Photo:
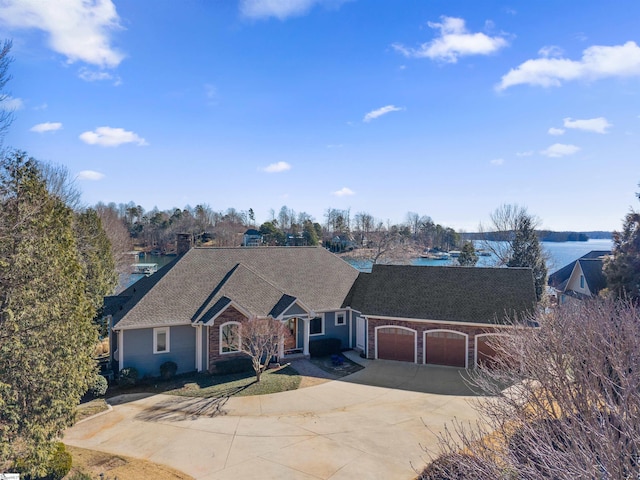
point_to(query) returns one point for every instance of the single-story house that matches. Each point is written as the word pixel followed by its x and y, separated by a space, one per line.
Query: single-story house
pixel 581 279
pixel 188 312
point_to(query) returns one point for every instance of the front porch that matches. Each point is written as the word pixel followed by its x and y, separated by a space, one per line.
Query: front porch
pixel 296 345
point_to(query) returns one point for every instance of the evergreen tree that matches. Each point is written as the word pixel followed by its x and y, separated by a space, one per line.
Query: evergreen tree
pixel 46 333
pixel 512 238
pixel 95 254
pixel 468 256
pixel 526 252
pixel 623 270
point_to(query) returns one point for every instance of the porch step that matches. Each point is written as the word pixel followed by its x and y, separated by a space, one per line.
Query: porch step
pixel 294 356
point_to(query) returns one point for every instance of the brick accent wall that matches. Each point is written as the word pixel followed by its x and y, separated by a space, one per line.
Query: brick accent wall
pixel 229 315
pixel 421 327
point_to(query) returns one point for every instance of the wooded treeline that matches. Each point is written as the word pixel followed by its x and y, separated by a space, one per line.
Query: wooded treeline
pixel 339 230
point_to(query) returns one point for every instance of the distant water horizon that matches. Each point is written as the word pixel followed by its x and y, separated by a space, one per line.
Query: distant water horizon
pixel 559 254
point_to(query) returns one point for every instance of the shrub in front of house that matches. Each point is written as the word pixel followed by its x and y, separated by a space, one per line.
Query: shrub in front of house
pixel 168 370
pixel 58 466
pixel 324 347
pixel 233 365
pixel 98 386
pixel 129 376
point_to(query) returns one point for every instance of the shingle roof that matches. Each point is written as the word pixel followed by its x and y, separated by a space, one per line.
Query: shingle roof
pixel 559 278
pixel 256 278
pixel 593 274
pixel 456 294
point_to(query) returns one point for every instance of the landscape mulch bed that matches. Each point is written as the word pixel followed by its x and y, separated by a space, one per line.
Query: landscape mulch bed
pixel 346 367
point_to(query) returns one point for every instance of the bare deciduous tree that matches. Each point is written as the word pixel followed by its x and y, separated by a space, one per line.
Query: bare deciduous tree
pixel 513 240
pixel 260 339
pixel 6 114
pixel 564 401
pixel 118 235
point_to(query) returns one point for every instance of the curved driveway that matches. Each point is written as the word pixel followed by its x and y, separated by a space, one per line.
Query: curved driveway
pixel 356 427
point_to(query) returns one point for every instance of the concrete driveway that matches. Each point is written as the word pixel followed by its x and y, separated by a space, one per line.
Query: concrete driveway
pixel 356 427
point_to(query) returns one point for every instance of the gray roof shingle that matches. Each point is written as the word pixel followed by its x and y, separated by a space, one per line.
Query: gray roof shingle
pixel 195 285
pixel 455 294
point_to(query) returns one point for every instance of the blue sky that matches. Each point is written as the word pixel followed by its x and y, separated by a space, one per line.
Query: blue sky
pixel 444 108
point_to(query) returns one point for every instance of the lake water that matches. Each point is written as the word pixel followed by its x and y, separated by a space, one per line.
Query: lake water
pixel 559 253
pixel 128 279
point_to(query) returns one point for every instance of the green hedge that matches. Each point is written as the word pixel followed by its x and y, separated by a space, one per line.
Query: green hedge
pixel 98 386
pixel 168 370
pixel 129 376
pixel 324 347
pixel 233 365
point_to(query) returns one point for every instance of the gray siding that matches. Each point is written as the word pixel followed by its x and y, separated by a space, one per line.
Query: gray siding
pixel 138 350
pixel 294 309
pixel 331 330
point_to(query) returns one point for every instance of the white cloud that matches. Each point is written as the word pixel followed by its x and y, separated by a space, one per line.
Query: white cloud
pixel 89 75
pixel 11 104
pixel 381 111
pixel 560 150
pixel 90 175
pixel 343 192
pixel 526 153
pixel 277 167
pixel 78 29
pixel 111 137
pixel 597 62
pixel 496 162
pixel 555 131
pixel 46 127
pixel 597 125
pixel 282 9
pixel 550 51
pixel 454 41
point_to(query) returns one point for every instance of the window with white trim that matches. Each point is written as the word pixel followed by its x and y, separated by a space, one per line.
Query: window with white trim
pixel 316 325
pixel 161 340
pixel 229 337
pixel 341 319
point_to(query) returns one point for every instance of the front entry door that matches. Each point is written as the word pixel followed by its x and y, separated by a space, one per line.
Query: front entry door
pixel 291 341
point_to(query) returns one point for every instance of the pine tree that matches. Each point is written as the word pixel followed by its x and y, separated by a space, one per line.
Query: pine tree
pixel 468 256
pixel 46 331
pixel 623 270
pixel 526 252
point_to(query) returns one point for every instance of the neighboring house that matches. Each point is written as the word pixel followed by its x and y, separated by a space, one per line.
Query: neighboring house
pixel 189 311
pixel 581 279
pixel 252 238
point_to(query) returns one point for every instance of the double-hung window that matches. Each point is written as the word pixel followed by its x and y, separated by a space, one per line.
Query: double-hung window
pixel 161 340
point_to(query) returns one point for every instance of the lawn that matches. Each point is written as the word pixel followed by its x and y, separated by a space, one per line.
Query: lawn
pixel 214 386
pixel 92 464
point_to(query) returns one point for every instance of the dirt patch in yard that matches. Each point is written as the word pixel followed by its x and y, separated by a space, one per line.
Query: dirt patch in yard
pixel 94 463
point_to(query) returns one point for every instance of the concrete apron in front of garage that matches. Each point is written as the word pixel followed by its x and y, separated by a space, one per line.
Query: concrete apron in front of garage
pixel 342 429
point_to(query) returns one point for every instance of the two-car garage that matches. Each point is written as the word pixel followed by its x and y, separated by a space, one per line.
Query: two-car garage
pixel 443 347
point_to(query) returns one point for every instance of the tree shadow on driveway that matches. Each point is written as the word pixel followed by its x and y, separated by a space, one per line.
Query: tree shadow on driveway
pixel 178 409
